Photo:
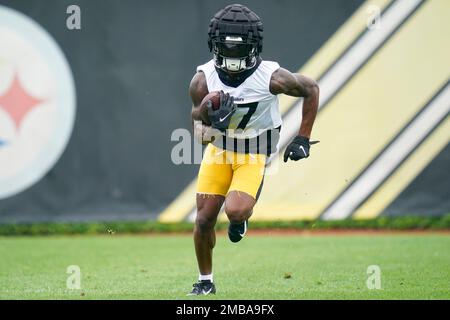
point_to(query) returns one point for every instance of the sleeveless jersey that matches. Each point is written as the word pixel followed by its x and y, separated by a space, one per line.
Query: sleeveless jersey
pixel 257 108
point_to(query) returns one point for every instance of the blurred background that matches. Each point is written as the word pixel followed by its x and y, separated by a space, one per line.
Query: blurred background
pixel 86 115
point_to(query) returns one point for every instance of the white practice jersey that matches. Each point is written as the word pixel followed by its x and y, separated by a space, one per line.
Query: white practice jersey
pixel 257 107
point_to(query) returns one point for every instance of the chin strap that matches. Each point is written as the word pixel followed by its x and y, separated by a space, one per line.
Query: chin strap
pixel 234 65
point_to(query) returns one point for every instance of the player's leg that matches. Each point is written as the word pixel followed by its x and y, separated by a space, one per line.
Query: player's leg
pixel 214 179
pixel 246 185
pixel 208 207
pixel 238 207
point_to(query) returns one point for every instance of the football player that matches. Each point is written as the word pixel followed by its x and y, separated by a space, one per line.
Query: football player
pixel 244 129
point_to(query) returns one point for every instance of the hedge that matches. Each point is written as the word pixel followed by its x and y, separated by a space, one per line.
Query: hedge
pixel 139 227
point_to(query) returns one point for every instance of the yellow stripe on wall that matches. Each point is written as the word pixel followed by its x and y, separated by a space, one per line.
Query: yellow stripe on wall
pixel 406 173
pixel 333 48
pixel 364 117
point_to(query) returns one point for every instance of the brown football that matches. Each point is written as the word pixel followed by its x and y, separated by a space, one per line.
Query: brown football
pixel 214 96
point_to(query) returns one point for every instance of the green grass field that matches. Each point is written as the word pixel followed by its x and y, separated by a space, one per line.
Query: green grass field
pixel 413 266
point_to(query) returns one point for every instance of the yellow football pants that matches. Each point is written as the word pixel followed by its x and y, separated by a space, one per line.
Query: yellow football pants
pixel 222 171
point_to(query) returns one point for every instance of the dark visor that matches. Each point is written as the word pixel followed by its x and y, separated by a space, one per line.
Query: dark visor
pixel 234 50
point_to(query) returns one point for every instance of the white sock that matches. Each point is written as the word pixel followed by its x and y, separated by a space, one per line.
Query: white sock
pixel 205 277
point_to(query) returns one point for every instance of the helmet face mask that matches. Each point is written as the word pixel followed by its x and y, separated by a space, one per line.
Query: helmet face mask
pixel 235 38
pixel 232 54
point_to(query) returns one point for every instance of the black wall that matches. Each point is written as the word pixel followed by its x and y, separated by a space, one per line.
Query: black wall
pixel 428 193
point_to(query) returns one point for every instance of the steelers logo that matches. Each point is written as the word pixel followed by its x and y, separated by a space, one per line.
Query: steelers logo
pixel 37 102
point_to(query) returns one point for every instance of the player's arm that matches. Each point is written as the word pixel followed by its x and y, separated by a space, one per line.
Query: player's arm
pixel 197 91
pixel 297 85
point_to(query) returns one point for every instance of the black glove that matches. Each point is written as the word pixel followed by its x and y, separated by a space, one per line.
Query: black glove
pixel 220 118
pixel 298 149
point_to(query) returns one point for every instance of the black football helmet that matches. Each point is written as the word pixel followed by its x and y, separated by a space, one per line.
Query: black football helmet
pixel 235 37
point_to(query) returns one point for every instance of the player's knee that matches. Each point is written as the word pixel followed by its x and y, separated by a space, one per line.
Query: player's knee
pixel 238 212
pixel 204 224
